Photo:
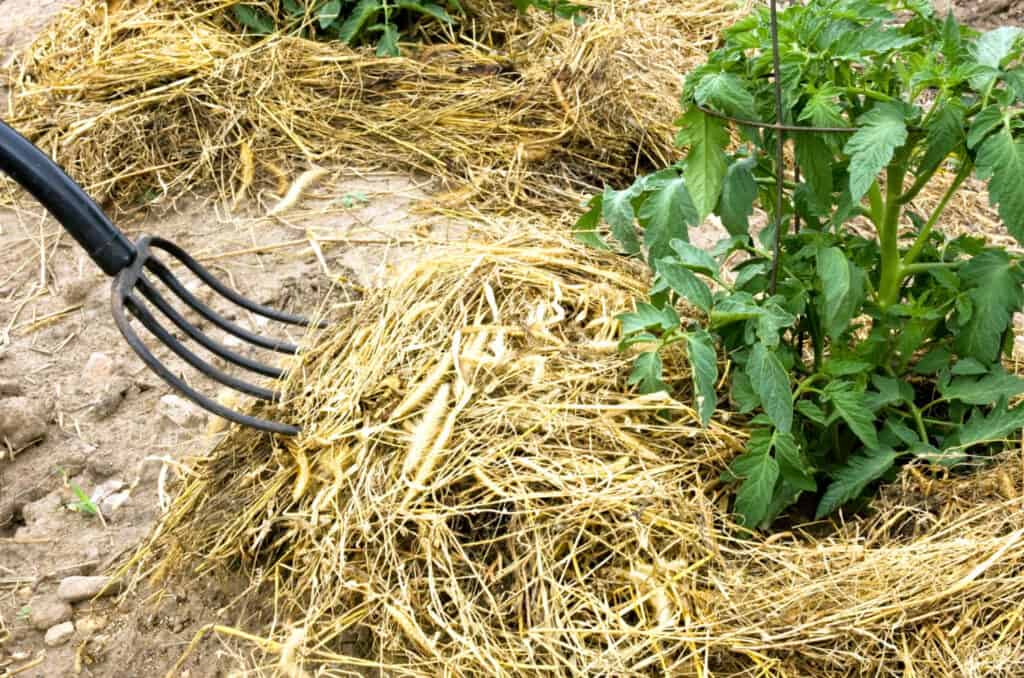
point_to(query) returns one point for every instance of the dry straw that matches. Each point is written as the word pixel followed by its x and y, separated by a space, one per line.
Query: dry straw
pixel 477 492
pixel 153 98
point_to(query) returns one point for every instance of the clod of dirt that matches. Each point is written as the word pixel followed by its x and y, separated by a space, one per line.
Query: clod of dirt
pixel 48 611
pixel 99 368
pixel 41 511
pixel 59 634
pixel 21 423
pixel 180 411
pixel 76 291
pixel 77 589
pixel 10 388
pixel 113 394
pixel 93 624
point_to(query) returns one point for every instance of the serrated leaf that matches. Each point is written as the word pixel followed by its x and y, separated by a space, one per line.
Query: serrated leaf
pixel 1001 162
pixel 871 40
pixel 792 465
pixel 739 191
pixel 851 408
pixel 694 258
pixel 822 110
pixel 991 48
pixel 933 361
pixel 994 286
pixel 771 383
pixel 636 339
pixel 851 478
pixel 647 373
pixel 685 283
pixel 969 367
pixel 618 213
pixel 985 391
pixel 760 472
pixel 995 427
pixel 585 229
pixel 666 214
pixel 882 130
pixel 815 162
pixel 427 8
pixel 706 162
pixel 983 124
pixel 945 132
pixel 647 317
pixel 726 92
pixel 700 348
pixel 837 367
pixel 772 319
pixel 387 42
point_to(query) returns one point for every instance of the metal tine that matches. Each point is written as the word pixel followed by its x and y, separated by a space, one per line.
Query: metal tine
pixel 150 323
pixel 200 271
pixel 207 403
pixel 168 278
pixel 153 295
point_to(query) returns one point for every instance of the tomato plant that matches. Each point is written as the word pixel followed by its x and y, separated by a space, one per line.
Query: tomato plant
pixel 857 353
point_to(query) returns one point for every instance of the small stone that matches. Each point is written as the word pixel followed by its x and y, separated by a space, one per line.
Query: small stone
pixel 76 291
pixel 77 589
pixel 10 388
pixel 59 634
pixel 180 411
pixel 21 423
pixel 99 368
pixel 90 625
pixel 48 611
pixel 114 501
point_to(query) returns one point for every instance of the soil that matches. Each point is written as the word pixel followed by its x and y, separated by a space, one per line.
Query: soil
pixel 79 410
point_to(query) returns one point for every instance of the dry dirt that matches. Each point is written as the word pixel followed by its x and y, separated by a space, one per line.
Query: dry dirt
pixel 86 413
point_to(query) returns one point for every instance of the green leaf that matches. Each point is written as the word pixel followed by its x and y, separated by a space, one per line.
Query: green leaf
pixel 387 43
pixel 706 163
pixel 983 124
pixel 585 229
pixel 726 92
pixel 770 321
pixel 739 191
pixel 851 478
pixel 427 8
pixel 815 161
pixel 647 373
pixel 253 18
pixel 363 13
pixel 1001 162
pixel 685 283
pixel 837 367
pixel 742 393
pixel 694 258
pixel 647 317
pixel 991 48
pixel 985 391
pixel 872 39
pixel 882 130
pixel 618 212
pixel 771 383
pixel 834 275
pixel 704 364
pixel 665 214
pixel 994 287
pixel 760 473
pixel 822 110
pixel 995 427
pixel 969 367
pixel 933 361
pixel 793 467
pixel 851 408
pixel 811 411
pixel 328 12
pixel 945 132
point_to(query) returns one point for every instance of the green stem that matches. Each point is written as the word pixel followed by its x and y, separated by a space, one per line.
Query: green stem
pixel 805 385
pixel 913 269
pixel 919 419
pixel 877 205
pixel 888 236
pixel 922 238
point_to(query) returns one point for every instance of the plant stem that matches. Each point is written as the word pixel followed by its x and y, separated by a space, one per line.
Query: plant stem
pixel 922 238
pixel 877 214
pixel 913 269
pixel 888 236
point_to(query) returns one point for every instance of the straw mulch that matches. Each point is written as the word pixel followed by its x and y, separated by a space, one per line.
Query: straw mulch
pixel 154 98
pixel 477 492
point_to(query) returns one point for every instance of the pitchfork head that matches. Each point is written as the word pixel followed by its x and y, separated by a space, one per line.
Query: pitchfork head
pixel 135 292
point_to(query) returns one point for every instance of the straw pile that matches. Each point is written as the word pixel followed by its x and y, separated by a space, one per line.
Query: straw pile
pixel 153 98
pixel 477 492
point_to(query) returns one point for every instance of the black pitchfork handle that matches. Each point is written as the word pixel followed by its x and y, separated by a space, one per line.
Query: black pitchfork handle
pixel 66 201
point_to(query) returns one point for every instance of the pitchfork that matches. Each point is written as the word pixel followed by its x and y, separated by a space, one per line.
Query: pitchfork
pixel 131 266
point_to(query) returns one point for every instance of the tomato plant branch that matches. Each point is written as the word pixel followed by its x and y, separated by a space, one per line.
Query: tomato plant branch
pixel 888 236
pixel 922 238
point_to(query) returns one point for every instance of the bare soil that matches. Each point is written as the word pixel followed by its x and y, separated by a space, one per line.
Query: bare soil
pixel 79 409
